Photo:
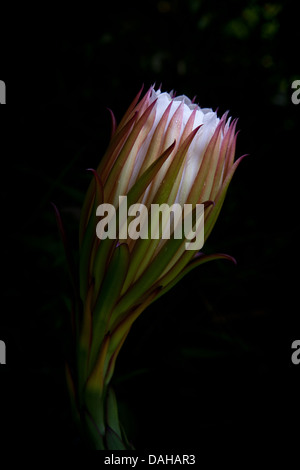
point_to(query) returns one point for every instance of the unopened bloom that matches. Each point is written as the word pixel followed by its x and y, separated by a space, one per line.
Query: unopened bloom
pixel 166 150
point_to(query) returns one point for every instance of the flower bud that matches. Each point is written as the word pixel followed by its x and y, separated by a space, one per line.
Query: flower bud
pixel 166 153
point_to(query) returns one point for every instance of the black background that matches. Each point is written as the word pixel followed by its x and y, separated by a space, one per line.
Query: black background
pixel 210 361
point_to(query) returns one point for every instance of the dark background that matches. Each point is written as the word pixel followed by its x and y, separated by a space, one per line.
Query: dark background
pixel 210 361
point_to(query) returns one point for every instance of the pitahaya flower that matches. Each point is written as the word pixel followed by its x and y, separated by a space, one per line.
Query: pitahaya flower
pixel 166 149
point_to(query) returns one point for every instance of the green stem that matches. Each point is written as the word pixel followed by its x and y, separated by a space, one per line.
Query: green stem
pixel 101 421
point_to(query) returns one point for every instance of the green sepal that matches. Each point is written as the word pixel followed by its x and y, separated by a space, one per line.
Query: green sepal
pixel 112 416
pixel 134 194
pixel 113 441
pixel 143 248
pixel 108 295
pixel 120 161
pixel 150 277
pixel 145 179
pixel 171 181
pixel 89 239
pixel 214 212
pixel 96 436
pixel 171 279
pixel 120 327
